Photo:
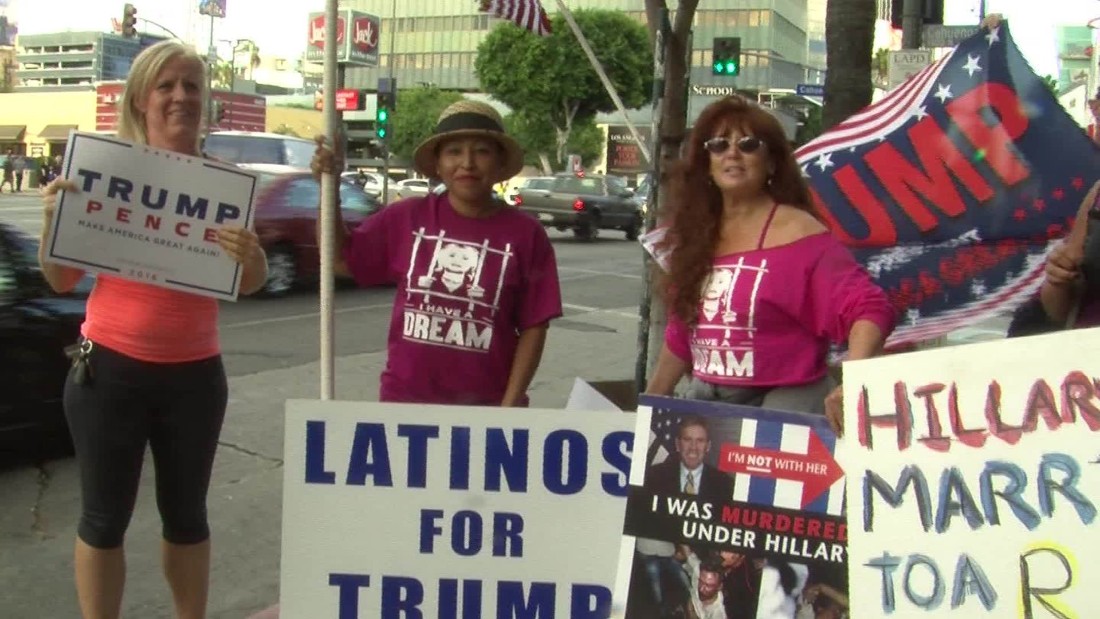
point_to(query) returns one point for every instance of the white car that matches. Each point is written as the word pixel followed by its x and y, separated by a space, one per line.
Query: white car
pixel 290 153
pixel 414 185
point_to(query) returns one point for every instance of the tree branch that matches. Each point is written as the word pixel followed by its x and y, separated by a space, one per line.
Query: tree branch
pixel 653 10
pixel 685 14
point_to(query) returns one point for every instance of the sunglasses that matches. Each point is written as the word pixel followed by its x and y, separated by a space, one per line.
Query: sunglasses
pixel 747 144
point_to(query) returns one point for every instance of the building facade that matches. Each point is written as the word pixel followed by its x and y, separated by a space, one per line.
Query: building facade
pixel 1075 57
pixel 435 41
pixel 74 60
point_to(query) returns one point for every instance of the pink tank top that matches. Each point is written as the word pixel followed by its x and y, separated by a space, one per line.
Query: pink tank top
pixel 151 323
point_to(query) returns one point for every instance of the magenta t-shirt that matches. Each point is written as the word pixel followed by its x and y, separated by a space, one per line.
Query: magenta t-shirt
pixel 767 317
pixel 465 289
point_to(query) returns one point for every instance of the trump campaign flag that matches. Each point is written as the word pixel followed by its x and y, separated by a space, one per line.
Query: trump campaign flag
pixel 950 188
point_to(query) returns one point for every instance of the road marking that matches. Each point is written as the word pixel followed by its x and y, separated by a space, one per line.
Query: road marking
pixel 595 272
pixel 292 317
pixel 20 209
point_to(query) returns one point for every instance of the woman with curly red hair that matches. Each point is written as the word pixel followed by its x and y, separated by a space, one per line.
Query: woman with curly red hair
pixel 757 288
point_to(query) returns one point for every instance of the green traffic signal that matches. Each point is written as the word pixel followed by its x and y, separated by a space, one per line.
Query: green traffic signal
pixel 719 68
pixel 382 120
pixel 731 68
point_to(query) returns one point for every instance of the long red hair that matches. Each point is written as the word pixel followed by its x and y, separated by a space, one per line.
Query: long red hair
pixel 694 207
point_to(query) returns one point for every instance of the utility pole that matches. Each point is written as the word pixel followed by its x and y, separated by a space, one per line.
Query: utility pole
pixel 386 142
pixel 912 20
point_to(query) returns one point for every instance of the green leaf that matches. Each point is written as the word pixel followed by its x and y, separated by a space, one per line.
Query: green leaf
pixel 415 117
pixel 549 82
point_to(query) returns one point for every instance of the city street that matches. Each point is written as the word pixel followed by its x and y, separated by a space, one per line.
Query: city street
pixel 271 352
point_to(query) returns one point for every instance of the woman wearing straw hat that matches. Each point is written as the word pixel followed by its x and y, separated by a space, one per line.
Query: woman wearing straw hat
pixel 477 281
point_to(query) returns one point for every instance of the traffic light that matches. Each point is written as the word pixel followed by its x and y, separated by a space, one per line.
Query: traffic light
pixel 129 20
pixel 382 121
pixel 726 56
pixel 386 103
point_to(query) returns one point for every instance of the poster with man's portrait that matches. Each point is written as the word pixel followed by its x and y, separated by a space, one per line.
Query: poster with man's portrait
pixel 736 513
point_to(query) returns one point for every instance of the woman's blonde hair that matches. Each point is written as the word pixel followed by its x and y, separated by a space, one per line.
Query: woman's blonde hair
pixel 143 73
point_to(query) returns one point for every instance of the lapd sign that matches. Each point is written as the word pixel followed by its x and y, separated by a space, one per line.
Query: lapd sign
pixel 150 215
pixel 356 38
pixel 973 480
pixel 906 63
pixel 394 510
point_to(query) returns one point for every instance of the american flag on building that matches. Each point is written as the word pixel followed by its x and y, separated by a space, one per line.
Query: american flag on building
pixel 951 187
pixel 776 431
pixel 527 14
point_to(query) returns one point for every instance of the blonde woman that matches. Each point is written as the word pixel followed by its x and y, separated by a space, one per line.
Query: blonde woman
pixel 149 370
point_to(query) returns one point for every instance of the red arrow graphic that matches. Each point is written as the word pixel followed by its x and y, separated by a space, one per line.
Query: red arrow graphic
pixel 817 470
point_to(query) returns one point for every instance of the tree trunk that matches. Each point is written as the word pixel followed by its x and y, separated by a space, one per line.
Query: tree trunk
pixel 673 129
pixel 849 35
pixel 674 106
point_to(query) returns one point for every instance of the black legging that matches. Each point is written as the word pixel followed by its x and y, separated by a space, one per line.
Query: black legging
pixel 175 408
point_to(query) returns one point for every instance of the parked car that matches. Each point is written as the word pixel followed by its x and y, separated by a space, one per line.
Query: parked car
pixel 534 182
pixel 289 152
pixel 36 324
pixel 287 217
pixel 585 204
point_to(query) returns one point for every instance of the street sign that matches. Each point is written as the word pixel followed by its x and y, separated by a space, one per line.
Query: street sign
pixel 906 63
pixel 359 47
pixel 349 99
pixel 810 90
pixel 937 35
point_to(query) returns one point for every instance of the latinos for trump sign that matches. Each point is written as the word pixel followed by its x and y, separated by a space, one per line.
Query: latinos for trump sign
pixel 973 479
pixel 950 187
pixel 732 512
pixel 150 215
pixel 396 511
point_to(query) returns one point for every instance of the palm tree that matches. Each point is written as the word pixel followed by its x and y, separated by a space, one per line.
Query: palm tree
pixel 222 76
pixel 849 35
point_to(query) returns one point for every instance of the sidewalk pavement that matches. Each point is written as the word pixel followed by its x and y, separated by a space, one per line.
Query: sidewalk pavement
pixel 245 500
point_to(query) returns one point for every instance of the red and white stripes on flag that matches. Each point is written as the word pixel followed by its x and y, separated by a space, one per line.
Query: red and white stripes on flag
pixel 527 14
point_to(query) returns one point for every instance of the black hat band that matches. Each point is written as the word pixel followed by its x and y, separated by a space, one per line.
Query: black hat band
pixel 464 121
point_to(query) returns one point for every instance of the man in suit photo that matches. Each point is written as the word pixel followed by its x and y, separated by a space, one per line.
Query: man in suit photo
pixel 687 473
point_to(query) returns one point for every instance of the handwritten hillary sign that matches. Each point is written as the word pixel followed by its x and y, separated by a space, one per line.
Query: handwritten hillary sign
pixel 150 215
pixel 440 511
pixel 973 479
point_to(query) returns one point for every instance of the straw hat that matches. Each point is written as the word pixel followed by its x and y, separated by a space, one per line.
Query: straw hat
pixel 469 119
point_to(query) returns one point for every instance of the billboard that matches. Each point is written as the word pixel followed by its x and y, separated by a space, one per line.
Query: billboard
pixel 624 154
pixel 356 38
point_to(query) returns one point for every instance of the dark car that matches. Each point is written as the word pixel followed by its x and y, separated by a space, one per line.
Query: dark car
pixel 287 216
pixel 584 204
pixel 36 325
